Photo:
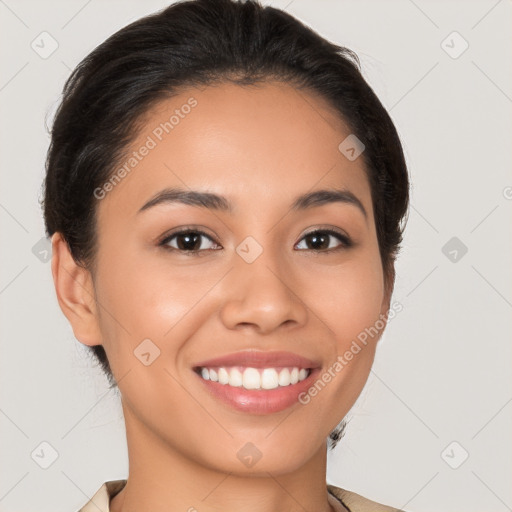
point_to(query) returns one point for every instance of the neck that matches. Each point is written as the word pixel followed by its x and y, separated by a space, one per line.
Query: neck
pixel 162 478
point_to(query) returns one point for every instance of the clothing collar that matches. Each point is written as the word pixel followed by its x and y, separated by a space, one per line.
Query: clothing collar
pixel 352 501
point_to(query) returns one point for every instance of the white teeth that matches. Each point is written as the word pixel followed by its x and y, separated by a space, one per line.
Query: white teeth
pixel 284 377
pixel 235 378
pixel 269 379
pixel 223 376
pixel 251 378
pixel 255 378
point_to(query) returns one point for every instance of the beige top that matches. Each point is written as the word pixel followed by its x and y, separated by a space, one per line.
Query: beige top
pixel 100 502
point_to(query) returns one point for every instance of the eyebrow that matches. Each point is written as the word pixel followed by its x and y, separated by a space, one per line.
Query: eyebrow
pixel 220 203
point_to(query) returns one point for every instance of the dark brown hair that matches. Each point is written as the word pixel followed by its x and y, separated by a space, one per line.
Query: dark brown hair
pixel 198 43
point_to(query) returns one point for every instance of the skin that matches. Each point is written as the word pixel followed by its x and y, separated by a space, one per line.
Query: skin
pixel 261 147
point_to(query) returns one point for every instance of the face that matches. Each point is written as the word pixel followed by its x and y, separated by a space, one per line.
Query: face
pixel 260 276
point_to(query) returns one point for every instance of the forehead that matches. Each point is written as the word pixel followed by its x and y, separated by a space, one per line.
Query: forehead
pixel 259 143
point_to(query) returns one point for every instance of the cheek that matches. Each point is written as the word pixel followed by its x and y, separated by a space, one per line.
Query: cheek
pixel 145 296
pixel 137 287
pixel 350 313
pixel 348 298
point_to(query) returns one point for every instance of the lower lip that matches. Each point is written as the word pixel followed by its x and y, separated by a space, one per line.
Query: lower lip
pixel 259 401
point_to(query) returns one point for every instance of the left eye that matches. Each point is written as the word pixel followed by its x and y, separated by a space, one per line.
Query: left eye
pixel 319 237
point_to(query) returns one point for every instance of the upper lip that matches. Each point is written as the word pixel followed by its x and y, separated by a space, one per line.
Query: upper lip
pixel 256 359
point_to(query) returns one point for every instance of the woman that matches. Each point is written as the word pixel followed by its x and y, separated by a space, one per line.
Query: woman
pixel 225 196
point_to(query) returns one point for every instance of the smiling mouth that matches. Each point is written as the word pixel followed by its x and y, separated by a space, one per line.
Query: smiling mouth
pixel 254 378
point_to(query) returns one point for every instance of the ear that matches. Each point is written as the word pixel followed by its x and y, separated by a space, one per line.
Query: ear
pixel 75 293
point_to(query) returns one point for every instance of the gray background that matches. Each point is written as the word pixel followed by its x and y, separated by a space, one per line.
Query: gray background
pixel 440 389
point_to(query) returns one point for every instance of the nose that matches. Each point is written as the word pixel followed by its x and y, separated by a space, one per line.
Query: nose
pixel 262 295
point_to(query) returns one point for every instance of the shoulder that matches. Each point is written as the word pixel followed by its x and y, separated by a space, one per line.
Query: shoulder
pixel 357 503
pixel 100 502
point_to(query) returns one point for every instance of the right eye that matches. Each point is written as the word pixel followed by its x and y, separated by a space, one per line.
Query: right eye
pixel 188 241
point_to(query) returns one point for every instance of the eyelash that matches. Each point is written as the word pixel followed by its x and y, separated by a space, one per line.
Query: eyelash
pixel 346 242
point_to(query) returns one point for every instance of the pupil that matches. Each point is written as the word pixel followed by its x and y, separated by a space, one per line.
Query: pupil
pixel 188 245
pixel 315 238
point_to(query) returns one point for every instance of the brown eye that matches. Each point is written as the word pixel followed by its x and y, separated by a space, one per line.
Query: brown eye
pixel 320 240
pixel 190 241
